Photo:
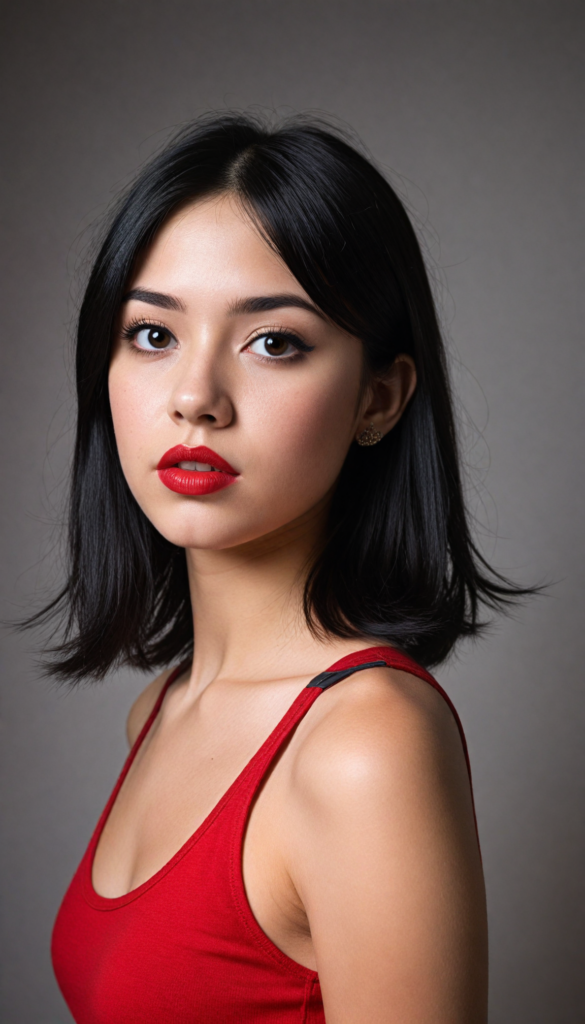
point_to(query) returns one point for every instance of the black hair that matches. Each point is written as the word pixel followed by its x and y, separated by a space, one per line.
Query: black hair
pixel 399 563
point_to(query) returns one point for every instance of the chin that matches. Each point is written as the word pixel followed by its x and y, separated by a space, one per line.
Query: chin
pixel 209 530
pixel 209 527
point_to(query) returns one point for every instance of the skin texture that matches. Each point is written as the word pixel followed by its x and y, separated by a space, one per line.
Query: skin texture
pixel 373 782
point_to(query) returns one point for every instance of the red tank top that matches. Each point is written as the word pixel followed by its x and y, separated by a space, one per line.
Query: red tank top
pixel 184 947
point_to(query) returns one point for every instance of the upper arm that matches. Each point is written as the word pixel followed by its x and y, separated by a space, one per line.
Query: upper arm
pixel 142 706
pixel 387 863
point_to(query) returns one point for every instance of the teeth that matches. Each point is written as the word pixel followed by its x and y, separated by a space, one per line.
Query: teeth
pixel 200 467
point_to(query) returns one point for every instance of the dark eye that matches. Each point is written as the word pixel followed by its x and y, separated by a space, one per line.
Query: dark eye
pixel 273 345
pixel 154 339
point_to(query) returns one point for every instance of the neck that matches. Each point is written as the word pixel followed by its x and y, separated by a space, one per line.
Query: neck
pixel 247 605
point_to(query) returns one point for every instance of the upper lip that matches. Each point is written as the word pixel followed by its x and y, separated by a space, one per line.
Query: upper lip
pixel 183 453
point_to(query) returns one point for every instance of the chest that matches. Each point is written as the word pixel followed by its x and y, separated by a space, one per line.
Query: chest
pixel 181 771
pixel 179 776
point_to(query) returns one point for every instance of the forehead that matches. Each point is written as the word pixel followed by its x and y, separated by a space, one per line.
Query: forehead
pixel 213 246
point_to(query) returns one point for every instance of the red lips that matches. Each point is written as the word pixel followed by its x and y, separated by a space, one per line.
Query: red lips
pixel 195 481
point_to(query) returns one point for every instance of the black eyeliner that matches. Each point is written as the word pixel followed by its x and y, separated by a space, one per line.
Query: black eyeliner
pixel 284 333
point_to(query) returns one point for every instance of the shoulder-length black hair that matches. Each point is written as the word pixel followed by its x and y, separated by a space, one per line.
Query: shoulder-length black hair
pixel 399 564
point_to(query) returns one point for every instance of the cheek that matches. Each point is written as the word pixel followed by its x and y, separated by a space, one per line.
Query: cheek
pixel 304 434
pixel 135 408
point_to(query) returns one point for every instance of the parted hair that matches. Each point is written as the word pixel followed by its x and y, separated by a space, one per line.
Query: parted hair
pixel 399 563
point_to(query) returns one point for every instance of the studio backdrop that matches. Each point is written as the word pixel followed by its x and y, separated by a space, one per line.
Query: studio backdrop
pixel 474 110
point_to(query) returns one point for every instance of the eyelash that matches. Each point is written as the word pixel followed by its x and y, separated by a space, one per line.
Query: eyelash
pixel 281 332
pixel 131 329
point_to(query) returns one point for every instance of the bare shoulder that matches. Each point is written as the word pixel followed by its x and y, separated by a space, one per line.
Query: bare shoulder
pixel 379 729
pixel 143 705
pixel 379 793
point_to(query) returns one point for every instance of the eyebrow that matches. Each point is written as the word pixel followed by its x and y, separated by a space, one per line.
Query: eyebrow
pixel 254 304
pixel 155 299
pixel 264 303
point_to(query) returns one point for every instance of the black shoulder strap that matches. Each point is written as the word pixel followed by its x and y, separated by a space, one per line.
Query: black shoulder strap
pixel 326 679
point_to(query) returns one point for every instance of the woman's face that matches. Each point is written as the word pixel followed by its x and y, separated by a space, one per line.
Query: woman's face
pixel 219 347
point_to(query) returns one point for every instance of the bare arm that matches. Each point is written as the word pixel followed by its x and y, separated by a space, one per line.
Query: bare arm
pixel 386 862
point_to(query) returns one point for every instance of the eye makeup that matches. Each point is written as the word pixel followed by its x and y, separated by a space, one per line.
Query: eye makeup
pixel 276 341
pixel 158 338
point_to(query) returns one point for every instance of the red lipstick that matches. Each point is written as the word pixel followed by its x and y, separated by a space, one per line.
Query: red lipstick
pixel 195 470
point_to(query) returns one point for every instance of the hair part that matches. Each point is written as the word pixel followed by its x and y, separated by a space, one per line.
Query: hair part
pixel 399 564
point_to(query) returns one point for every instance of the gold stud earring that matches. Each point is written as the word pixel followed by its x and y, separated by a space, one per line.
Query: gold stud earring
pixel 369 436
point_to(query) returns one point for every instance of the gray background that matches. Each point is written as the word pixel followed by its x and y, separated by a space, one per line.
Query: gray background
pixel 475 107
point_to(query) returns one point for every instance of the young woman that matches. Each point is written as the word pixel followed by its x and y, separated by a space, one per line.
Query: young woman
pixel 266 499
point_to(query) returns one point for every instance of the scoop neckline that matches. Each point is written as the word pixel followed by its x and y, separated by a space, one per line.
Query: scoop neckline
pixel 100 902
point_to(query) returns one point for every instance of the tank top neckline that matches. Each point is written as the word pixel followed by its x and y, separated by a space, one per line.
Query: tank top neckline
pixel 113 902
pixel 185 944
pixel 306 697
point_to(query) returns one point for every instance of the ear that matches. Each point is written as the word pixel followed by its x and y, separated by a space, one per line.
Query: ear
pixel 387 396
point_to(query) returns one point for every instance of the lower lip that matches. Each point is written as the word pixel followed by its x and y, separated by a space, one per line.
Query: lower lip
pixel 189 481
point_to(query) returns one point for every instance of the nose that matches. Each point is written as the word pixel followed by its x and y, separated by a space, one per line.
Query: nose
pixel 200 393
